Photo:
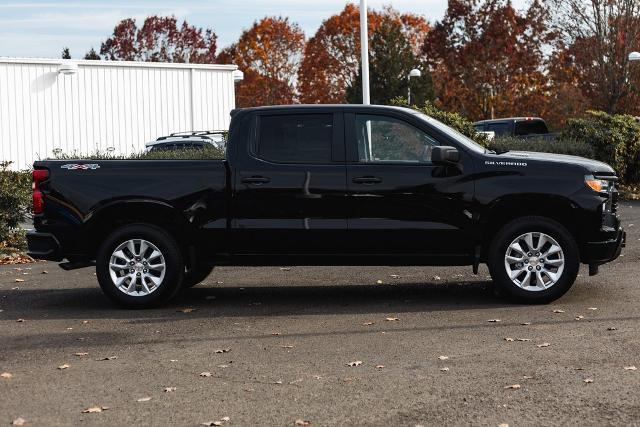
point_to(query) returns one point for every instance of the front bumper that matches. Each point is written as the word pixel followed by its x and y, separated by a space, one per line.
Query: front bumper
pixel 43 246
pixel 605 251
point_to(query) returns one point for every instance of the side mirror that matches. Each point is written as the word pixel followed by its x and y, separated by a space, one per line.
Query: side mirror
pixel 445 155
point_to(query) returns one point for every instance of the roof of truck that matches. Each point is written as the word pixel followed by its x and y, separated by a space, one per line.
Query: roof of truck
pixel 508 119
pixel 320 107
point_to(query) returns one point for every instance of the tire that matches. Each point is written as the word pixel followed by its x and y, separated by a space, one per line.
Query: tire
pixel 196 275
pixel 550 277
pixel 160 284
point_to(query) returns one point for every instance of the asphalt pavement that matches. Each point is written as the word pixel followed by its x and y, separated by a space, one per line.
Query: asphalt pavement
pixel 325 346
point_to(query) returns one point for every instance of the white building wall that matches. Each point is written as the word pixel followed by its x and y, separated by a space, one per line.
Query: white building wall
pixel 105 104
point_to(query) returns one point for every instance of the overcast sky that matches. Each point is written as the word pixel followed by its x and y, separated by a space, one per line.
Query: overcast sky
pixel 42 28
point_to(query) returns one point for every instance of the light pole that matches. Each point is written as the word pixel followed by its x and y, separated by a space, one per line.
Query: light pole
pixel 413 73
pixel 364 51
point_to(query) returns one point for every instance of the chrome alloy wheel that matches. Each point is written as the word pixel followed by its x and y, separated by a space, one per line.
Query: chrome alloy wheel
pixel 137 267
pixel 534 261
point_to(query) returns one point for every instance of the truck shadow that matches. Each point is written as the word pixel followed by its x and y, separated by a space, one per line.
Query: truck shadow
pixel 90 303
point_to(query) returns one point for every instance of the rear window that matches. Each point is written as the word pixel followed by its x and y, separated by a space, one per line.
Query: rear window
pixel 300 138
pixel 530 127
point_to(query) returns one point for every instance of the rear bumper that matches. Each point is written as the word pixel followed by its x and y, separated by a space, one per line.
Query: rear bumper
pixel 43 246
pixel 605 251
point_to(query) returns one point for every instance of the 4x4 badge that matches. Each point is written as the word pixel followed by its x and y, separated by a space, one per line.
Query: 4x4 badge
pixel 75 166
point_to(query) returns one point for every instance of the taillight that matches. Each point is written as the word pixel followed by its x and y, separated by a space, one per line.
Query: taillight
pixel 39 175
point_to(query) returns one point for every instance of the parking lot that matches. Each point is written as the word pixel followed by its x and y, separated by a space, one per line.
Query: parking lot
pixel 273 346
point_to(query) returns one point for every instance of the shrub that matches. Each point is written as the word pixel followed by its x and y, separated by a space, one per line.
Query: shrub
pixel 564 146
pixel 205 153
pixel 454 120
pixel 15 202
pixel 614 138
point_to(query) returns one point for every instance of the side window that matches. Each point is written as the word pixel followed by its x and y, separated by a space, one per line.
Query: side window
pixel 500 129
pixel 385 139
pixel 300 138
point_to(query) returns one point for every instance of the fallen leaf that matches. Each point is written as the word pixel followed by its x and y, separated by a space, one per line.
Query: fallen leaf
pixel 275 333
pixel 436 277
pixel 108 358
pixel 513 386
pixel 544 344
pixel 279 382
pixel 169 389
pixel 8 375
pixel 19 422
pixel 302 422
pixel 317 377
pixel 173 360
pixel 592 308
pixel 223 350
pixel 524 339
pixel 379 366
pixel 44 272
pixel 95 409
pixel 287 346
pixel 356 363
pixel 612 328
pixel 394 276
pixel 212 423
pixel 285 269
pixel 144 399
pixel 494 320
pixel 445 369
pixel 186 310
pixel 379 282
pixel 19 280
pixel 20 320
pixel 65 366
pixel 223 366
pixel 443 357
pixel 509 339
pixel 503 425
pixel 82 354
pixel 579 317
pixel 368 323
pixel 84 322
pixel 391 319
pixel 588 380
pixel 626 368
pixel 225 419
pixel 558 311
pixel 525 323
pixel 527 377
pixel 205 374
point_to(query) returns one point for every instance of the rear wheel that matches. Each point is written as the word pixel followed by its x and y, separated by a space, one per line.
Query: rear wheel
pixel 533 260
pixel 139 266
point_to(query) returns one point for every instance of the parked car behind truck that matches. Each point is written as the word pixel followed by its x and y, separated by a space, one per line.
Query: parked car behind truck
pixel 329 185
pixel 518 127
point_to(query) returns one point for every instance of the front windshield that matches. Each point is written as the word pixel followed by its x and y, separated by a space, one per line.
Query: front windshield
pixel 454 134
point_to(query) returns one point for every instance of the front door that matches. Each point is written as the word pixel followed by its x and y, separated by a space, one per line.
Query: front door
pixel 400 203
pixel 290 184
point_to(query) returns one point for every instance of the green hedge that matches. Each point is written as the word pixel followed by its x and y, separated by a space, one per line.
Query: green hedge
pixel 561 146
pixel 614 138
pixel 15 203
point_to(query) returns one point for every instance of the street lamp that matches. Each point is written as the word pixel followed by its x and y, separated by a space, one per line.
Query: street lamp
pixel 364 51
pixel 413 73
pixel 634 56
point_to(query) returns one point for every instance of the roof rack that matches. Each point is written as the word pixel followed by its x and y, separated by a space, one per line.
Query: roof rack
pixel 199 133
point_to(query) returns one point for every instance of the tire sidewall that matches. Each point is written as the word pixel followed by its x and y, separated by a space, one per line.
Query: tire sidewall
pixel 533 224
pixel 173 261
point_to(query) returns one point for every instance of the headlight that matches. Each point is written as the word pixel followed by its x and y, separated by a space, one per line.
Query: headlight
pixel 599 185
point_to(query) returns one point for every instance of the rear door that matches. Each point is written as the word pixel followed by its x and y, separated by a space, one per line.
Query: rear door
pixel 290 183
pixel 400 202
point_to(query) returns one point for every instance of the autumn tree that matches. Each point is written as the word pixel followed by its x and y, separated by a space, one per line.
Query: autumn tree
pixel 268 54
pixel 392 57
pixel 332 56
pixel 592 54
pixel 487 58
pixel 160 39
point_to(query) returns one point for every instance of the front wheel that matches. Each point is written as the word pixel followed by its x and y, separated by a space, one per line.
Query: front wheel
pixel 533 260
pixel 139 266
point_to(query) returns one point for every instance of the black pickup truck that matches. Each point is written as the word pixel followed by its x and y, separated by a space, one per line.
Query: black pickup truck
pixel 329 185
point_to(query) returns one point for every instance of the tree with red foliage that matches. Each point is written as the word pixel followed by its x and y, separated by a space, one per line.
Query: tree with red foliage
pixel 268 54
pixel 160 40
pixel 488 58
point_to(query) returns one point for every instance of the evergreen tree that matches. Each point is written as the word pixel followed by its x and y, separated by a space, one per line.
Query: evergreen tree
pixel 65 53
pixel 92 55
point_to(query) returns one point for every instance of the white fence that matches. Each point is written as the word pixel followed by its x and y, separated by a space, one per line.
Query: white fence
pixel 105 105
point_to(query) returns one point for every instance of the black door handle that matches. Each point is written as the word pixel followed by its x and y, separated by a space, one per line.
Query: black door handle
pixel 256 180
pixel 367 180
